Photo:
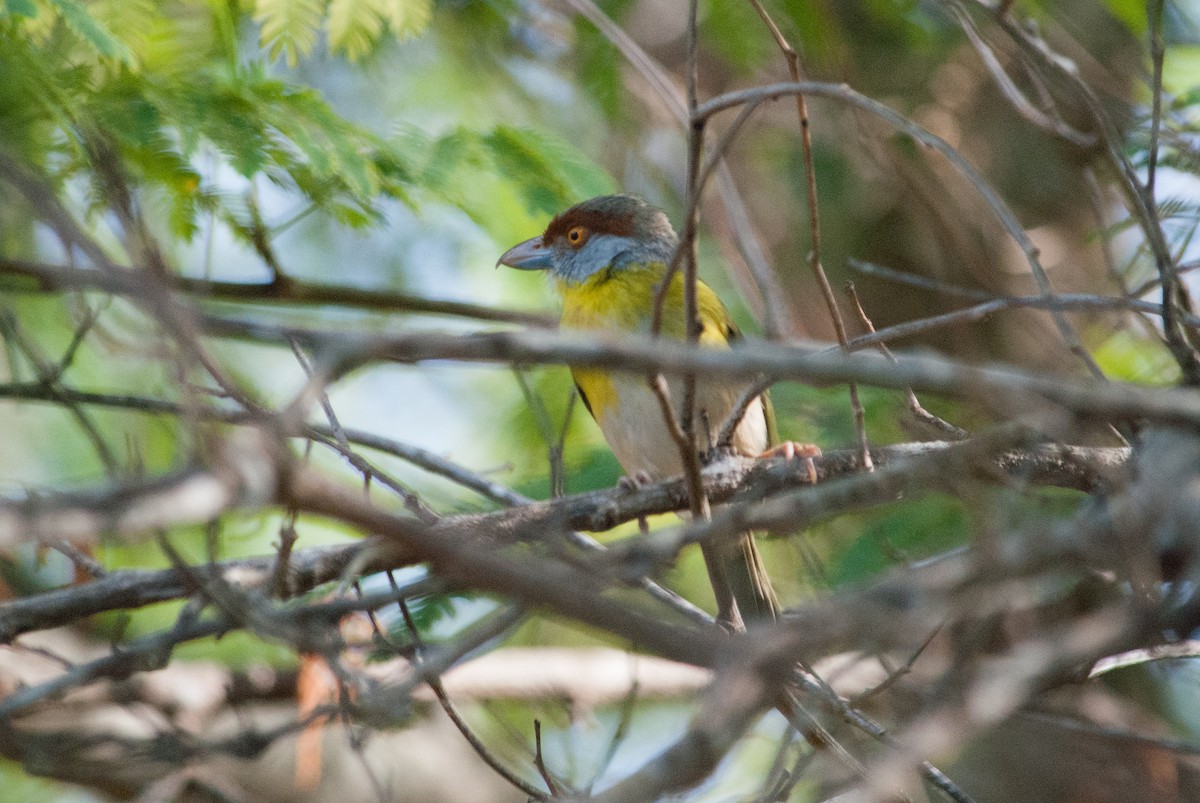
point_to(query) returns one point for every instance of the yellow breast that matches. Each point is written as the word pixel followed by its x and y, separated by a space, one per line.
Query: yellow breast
pixel 623 301
pixel 620 301
pixel 622 404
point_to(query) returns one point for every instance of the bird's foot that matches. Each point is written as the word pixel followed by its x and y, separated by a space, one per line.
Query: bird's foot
pixel 634 481
pixel 717 454
pixel 790 450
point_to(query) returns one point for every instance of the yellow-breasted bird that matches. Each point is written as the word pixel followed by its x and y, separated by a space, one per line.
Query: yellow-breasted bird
pixel 608 256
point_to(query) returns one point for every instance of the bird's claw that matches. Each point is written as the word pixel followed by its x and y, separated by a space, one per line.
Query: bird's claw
pixel 632 482
pixel 790 450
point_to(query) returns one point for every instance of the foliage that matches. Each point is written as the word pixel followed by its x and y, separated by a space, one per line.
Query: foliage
pixel 77 99
pixel 353 27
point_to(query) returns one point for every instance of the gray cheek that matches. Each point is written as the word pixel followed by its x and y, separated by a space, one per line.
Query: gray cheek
pixel 602 251
pixel 572 265
pixel 609 249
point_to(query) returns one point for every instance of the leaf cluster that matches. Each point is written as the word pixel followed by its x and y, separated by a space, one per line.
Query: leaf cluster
pixel 172 109
pixel 352 27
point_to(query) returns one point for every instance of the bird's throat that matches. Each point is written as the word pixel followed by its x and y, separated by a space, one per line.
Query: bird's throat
pixel 621 300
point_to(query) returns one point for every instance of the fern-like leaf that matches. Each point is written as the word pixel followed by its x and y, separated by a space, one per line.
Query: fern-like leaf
pixel 408 17
pixel 38 27
pixel 86 27
pixel 289 27
pixel 354 26
pixel 129 20
pixel 548 172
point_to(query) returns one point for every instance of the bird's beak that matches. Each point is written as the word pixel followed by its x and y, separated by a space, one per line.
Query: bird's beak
pixel 529 255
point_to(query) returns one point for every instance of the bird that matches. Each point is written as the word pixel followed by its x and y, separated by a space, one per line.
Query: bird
pixel 607 257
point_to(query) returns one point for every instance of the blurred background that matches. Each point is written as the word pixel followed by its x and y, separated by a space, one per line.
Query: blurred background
pixel 402 145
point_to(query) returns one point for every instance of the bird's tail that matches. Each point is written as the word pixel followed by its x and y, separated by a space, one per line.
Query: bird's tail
pixel 750 583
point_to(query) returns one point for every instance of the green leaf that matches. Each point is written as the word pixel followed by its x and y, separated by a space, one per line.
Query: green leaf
pixel 407 17
pixel 20 8
pixel 289 27
pixel 227 116
pixel 549 173
pixel 131 21
pixel 334 149
pixel 354 26
pixel 430 610
pixel 80 20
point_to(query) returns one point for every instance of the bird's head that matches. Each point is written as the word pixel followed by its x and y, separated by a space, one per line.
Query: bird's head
pixel 612 231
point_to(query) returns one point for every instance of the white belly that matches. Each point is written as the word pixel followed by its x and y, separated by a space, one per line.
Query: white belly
pixel 639 438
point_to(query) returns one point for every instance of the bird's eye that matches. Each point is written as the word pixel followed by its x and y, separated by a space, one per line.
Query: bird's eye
pixel 577 235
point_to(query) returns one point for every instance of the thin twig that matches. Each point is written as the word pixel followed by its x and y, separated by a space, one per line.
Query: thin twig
pixel 698 502
pixel 540 761
pixel 896 674
pixel 991 386
pixel 724 439
pixel 283 556
pixel 779 316
pixel 814 225
pixel 29 276
pixel 623 722
pixel 845 94
pixel 546 430
pixel 1154 12
pixel 1141 204
pixel 1054 124
pixel 154 299
pixel 914 404
pixel 49 375
pixel 439 691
